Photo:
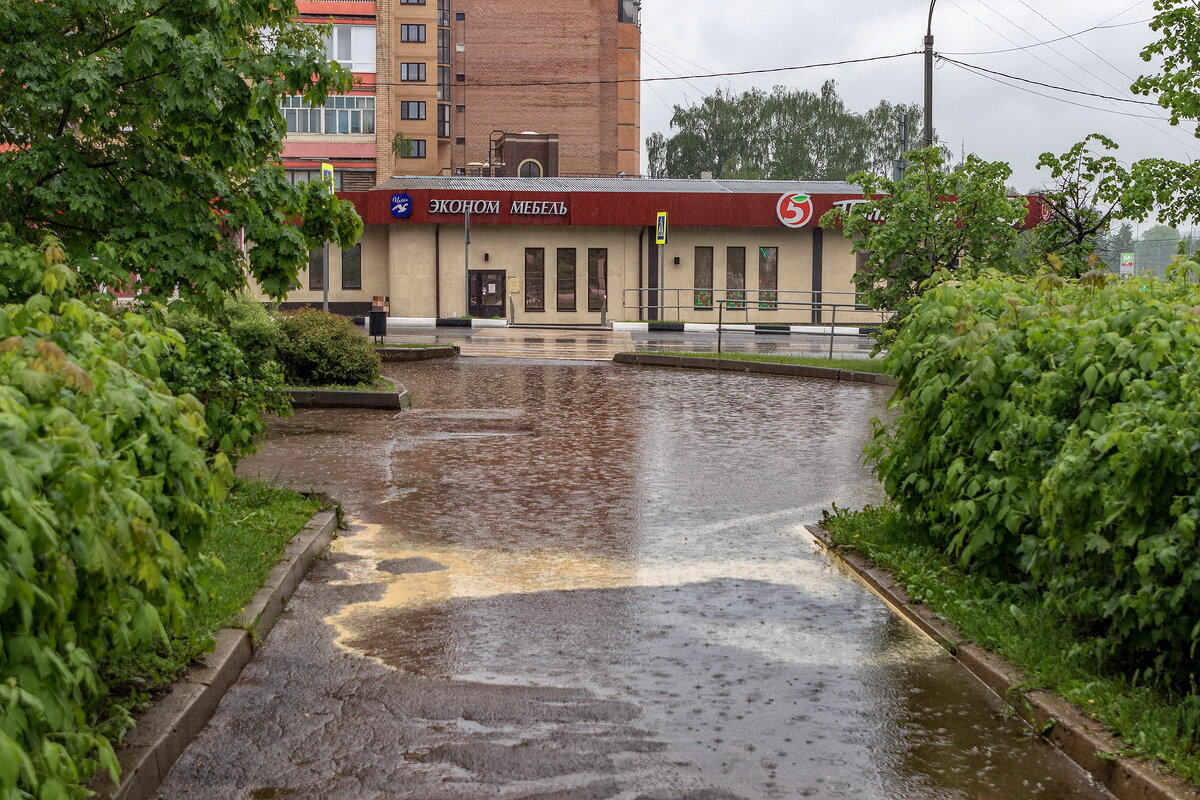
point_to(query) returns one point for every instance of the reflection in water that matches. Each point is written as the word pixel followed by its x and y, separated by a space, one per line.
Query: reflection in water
pixel 632 538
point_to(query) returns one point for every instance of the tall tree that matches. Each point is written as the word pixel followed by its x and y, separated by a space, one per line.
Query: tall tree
pixel 146 133
pixel 934 220
pixel 787 134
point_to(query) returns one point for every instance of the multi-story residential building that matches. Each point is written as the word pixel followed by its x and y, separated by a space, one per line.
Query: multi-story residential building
pixel 447 89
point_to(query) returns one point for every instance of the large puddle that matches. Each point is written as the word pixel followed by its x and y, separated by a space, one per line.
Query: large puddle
pixel 589 581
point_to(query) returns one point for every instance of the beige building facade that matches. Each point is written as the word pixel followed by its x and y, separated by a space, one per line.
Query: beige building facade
pixel 561 251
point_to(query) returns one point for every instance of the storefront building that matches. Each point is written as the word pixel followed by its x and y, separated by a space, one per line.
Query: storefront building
pixel 580 251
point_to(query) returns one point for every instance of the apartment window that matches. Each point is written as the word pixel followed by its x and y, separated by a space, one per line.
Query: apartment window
pixel 460 15
pixel 768 278
pixel 461 108
pixel 460 140
pixel 443 121
pixel 412 2
pixel 316 269
pixel 597 278
pixel 304 175
pixel 349 115
pixel 412 110
pixel 443 92
pixel 352 46
pixel 461 77
pixel 566 279
pixel 443 46
pixel 703 280
pixel 412 33
pixel 735 276
pixel 535 279
pixel 416 148
pixel 414 71
pixel 443 18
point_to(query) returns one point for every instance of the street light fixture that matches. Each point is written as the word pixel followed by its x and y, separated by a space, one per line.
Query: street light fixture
pixel 929 78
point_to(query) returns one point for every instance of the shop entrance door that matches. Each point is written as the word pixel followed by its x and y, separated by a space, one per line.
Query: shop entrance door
pixel 486 293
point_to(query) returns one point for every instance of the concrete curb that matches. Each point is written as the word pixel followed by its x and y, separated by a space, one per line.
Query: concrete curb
pixel 457 322
pixel 711 327
pixel 351 398
pixel 164 732
pixel 404 354
pixel 1080 738
pixel 759 367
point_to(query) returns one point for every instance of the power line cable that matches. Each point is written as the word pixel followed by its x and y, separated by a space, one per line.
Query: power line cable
pixel 681 60
pixel 681 88
pixel 1050 85
pixel 984 74
pixel 1146 120
pixel 1051 41
pixel 610 81
pixel 669 67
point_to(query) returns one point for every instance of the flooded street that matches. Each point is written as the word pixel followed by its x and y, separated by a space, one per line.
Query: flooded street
pixel 580 581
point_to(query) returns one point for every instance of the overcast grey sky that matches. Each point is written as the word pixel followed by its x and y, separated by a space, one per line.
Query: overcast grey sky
pixel 995 121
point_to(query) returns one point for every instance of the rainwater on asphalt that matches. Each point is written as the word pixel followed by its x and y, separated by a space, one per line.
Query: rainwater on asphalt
pixel 572 581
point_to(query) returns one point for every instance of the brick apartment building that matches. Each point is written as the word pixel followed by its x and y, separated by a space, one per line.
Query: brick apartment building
pixel 458 80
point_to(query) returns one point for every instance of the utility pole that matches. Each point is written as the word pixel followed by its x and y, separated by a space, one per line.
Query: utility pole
pixel 929 78
pixel 901 164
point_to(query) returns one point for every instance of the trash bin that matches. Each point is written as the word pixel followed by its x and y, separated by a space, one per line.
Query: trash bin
pixel 378 324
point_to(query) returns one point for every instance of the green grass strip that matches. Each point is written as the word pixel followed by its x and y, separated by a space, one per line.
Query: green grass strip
pixel 253 525
pixel 1010 620
pixel 856 364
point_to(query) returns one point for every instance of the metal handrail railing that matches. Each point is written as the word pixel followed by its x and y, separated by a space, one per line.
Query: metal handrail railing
pixel 832 307
pixel 766 300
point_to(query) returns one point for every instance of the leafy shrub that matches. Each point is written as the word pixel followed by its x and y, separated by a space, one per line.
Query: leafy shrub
pixel 104 493
pixel 1049 433
pixel 228 363
pixel 318 348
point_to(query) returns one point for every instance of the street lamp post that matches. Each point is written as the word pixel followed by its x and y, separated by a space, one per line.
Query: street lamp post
pixel 929 78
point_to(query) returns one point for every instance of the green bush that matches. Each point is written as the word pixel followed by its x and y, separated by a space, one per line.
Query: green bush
pixel 1049 433
pixel 318 348
pixel 104 494
pixel 228 363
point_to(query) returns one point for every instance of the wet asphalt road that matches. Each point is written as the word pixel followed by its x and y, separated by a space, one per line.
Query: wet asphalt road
pixel 586 581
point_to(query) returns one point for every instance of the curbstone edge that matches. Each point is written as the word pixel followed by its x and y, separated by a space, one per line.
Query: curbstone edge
pixel 1087 742
pixel 170 725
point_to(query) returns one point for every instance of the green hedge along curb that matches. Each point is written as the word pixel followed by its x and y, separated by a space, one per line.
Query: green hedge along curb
pixel 169 726
pixel 1080 738
pixel 759 367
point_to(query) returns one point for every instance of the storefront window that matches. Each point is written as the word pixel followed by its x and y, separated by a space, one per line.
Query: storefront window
pixel 352 267
pixel 566 279
pixel 597 279
pixel 316 269
pixel 535 279
pixel 703 282
pixel 768 278
pixel 735 276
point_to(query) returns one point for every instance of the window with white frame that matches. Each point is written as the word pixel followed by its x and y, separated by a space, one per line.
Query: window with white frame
pixel 305 175
pixel 341 114
pixel 352 46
